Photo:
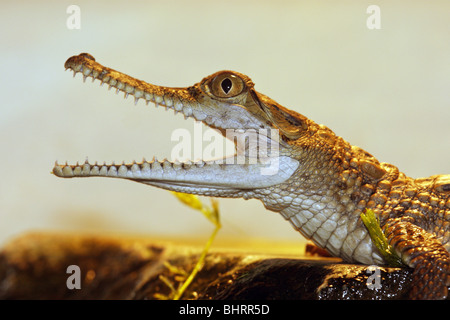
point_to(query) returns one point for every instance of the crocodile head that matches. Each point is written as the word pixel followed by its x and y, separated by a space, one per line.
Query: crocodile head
pixel 225 101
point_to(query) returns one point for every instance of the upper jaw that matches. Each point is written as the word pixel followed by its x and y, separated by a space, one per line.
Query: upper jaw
pixel 193 102
pixel 239 115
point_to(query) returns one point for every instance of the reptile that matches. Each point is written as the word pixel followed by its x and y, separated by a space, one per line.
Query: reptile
pixel 321 183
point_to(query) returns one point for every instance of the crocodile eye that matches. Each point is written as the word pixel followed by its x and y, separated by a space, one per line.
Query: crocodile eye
pixel 226 85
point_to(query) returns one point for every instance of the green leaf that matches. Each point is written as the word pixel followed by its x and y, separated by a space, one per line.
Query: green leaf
pixel 380 241
pixel 213 215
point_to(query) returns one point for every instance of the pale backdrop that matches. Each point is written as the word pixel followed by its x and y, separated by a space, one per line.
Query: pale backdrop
pixel 385 90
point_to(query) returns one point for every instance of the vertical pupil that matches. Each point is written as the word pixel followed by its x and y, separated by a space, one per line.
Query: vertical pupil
pixel 226 85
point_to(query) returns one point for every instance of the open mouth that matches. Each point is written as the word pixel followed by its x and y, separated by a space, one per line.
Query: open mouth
pixel 225 101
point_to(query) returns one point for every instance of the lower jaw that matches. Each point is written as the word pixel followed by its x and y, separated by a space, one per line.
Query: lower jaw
pixel 219 176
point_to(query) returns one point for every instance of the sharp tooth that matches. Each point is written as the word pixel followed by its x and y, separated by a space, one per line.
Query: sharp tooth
pixel 148 96
pixel 176 165
pixel 57 170
pixel 67 171
pixel 112 172
pixel 158 99
pixel 138 93
pixel 187 111
pixel 217 163
pixel 145 166
pixel 136 101
pixel 123 170
pixel 104 170
pixel 200 163
pixel 187 164
pixel 135 168
pixel 167 164
pixel 168 101
pixel 177 105
pixel 84 78
pixel 74 73
pixel 94 74
pixel 120 85
pixel 87 71
pixel 86 168
pixel 129 89
pixel 156 165
pixel 95 170
pixel 125 95
pixel 77 170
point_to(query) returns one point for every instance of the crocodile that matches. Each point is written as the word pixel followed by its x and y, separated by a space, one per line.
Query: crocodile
pixel 320 183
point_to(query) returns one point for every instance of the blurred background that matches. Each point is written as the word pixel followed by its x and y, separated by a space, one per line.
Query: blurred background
pixel 385 90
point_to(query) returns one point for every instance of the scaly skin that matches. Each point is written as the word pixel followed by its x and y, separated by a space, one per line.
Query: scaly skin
pixel 321 183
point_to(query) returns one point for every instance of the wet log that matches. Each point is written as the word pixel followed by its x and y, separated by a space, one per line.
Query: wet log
pixel 55 266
